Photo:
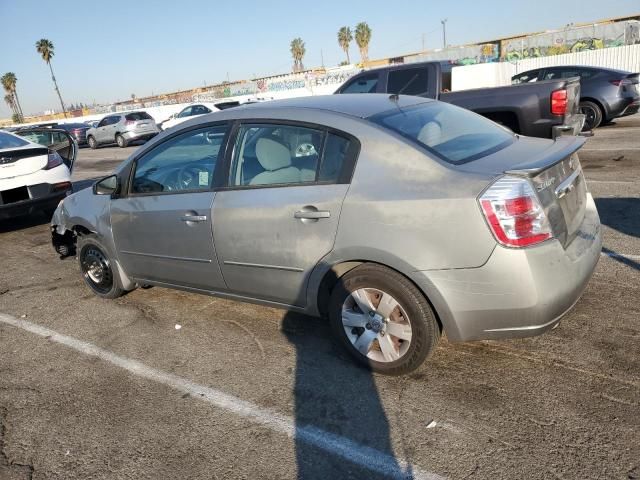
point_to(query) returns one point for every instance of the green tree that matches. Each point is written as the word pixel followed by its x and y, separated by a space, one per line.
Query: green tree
pixel 9 81
pixel 363 37
pixel 298 50
pixel 16 118
pixel 344 39
pixel 45 48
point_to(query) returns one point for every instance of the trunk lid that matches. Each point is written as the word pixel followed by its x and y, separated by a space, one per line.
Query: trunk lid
pixel 554 170
pixel 22 161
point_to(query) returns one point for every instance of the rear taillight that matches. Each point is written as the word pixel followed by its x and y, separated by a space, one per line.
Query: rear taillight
pixel 514 214
pixel 622 81
pixel 559 102
pixel 53 160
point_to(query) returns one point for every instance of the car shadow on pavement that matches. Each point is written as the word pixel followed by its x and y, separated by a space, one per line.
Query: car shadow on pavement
pixel 334 396
pixel 621 214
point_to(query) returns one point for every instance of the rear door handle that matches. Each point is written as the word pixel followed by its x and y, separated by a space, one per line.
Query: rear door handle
pixel 312 214
pixel 194 218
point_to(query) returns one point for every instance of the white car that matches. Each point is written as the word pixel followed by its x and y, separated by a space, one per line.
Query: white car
pixel 190 111
pixel 35 170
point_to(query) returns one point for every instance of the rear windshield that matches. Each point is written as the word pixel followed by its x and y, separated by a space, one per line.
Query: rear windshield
pixel 138 116
pixel 9 141
pixel 454 134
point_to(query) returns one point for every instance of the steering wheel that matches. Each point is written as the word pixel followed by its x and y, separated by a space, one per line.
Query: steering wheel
pixel 305 150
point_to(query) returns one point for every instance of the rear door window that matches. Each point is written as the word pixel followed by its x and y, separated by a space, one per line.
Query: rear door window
pixel 364 84
pixel 408 81
pixel 526 77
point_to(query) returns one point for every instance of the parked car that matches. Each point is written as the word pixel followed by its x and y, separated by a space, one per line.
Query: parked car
pixel 605 93
pixel 35 170
pixel 188 112
pixel 544 109
pixel 77 130
pixel 122 129
pixel 398 217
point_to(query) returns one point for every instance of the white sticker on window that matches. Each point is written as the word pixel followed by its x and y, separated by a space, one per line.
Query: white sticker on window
pixel 203 178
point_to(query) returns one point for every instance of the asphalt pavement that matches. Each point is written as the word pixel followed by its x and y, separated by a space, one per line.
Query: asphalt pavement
pixel 167 384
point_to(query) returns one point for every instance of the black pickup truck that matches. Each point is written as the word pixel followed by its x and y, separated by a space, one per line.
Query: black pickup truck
pixel 544 109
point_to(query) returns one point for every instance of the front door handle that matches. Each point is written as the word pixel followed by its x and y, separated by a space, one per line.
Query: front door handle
pixel 312 214
pixel 194 218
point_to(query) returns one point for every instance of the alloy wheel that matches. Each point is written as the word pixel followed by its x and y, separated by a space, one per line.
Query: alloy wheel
pixel 376 325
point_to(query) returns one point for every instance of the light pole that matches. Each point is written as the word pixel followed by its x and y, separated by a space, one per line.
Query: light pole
pixel 444 33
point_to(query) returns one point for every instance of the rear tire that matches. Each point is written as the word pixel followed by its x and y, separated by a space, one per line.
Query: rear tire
pixel 92 143
pixel 121 141
pixel 593 114
pixel 397 334
pixel 97 269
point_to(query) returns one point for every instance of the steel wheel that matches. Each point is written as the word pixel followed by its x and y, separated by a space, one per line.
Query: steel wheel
pixel 96 269
pixel 376 325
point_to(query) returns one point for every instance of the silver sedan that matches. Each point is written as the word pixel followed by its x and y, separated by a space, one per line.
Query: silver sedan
pixel 398 218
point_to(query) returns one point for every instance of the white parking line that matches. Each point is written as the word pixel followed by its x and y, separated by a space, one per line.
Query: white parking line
pixel 366 457
pixel 620 255
pixel 616 150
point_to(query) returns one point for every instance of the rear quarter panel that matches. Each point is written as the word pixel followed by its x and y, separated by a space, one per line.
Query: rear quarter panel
pixel 409 211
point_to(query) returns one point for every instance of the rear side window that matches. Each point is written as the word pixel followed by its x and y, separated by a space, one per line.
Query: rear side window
pixel 138 116
pixel 9 141
pixel 364 84
pixel 526 77
pixel 408 81
pixel 452 133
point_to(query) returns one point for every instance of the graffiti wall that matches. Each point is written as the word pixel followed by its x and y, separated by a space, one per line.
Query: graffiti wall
pixel 572 40
pixel 466 55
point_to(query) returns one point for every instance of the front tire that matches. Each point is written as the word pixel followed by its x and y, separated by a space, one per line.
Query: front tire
pixel 383 320
pixel 121 141
pixel 92 143
pixel 593 115
pixel 97 269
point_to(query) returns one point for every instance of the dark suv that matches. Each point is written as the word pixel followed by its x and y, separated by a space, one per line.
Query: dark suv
pixel 605 93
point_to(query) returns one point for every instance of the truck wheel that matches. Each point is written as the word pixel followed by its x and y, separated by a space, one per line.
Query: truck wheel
pixel 121 141
pixel 382 320
pixel 92 142
pixel 96 267
pixel 593 115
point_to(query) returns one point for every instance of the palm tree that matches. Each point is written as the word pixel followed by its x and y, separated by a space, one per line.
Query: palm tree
pixel 8 98
pixel 45 49
pixel 9 81
pixel 297 52
pixel 344 39
pixel 363 37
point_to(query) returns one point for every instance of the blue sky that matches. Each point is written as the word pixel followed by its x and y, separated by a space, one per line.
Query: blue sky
pixel 105 51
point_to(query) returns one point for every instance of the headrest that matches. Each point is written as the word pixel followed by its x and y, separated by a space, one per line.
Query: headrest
pixel 430 134
pixel 272 155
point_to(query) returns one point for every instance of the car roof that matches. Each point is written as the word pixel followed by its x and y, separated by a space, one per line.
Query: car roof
pixel 354 104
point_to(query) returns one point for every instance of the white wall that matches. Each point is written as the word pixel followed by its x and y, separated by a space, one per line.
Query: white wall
pixel 498 74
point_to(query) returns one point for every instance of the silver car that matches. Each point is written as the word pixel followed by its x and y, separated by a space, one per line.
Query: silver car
pixel 398 218
pixel 122 129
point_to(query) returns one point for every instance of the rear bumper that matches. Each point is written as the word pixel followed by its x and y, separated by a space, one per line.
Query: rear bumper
pixel 572 126
pixel 46 199
pixel 518 292
pixel 631 109
pixel 132 135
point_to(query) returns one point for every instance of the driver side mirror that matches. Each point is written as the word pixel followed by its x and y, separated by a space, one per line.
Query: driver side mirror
pixel 107 186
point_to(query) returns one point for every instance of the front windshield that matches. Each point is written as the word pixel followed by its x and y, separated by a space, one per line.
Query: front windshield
pixel 10 141
pixel 454 134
